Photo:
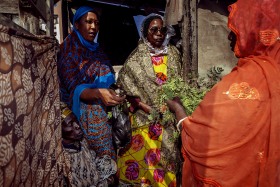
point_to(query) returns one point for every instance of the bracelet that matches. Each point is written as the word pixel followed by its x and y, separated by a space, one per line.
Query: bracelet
pixel 179 124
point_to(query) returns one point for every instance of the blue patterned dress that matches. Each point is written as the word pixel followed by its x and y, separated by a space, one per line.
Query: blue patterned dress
pixel 80 68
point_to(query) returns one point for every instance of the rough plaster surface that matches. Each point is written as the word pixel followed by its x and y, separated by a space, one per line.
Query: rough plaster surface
pixel 213 45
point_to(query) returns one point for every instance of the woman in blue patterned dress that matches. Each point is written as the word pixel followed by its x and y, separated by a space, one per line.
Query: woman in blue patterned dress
pixel 85 75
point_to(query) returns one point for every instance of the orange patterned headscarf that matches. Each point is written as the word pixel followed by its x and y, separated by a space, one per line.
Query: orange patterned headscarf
pixel 256 24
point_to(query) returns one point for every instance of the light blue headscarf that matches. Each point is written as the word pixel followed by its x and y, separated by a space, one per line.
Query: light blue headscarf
pixel 79 13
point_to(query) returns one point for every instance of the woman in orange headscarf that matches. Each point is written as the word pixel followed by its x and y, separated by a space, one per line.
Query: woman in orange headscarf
pixel 232 138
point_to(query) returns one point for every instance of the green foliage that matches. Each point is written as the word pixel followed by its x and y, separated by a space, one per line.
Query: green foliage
pixel 109 115
pixel 190 93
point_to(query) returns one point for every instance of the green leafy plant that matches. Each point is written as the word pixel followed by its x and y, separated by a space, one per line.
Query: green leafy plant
pixel 191 94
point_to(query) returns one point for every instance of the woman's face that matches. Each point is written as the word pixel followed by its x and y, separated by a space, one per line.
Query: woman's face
pixel 88 26
pixel 156 33
pixel 71 129
pixel 232 38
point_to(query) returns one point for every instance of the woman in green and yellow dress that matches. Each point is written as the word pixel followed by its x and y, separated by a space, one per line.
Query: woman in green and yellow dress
pixel 153 158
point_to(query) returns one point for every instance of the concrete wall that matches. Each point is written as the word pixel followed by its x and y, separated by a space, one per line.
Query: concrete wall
pixel 213 45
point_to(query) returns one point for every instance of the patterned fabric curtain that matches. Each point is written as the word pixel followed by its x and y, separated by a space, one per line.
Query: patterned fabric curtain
pixel 30 131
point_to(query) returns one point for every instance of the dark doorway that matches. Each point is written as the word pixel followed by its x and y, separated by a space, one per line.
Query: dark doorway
pixel 118 35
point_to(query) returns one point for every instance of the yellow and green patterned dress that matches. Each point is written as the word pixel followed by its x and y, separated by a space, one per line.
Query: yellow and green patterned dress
pixel 153 158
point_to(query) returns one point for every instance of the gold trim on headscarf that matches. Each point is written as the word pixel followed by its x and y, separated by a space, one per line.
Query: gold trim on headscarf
pixel 65 111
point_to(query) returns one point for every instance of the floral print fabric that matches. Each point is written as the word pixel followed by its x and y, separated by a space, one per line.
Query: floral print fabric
pixel 153 158
pixel 145 162
pixel 160 68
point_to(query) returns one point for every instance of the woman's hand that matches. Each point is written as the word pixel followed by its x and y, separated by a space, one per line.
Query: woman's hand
pixel 136 103
pixel 109 97
pixel 175 105
pixel 143 106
